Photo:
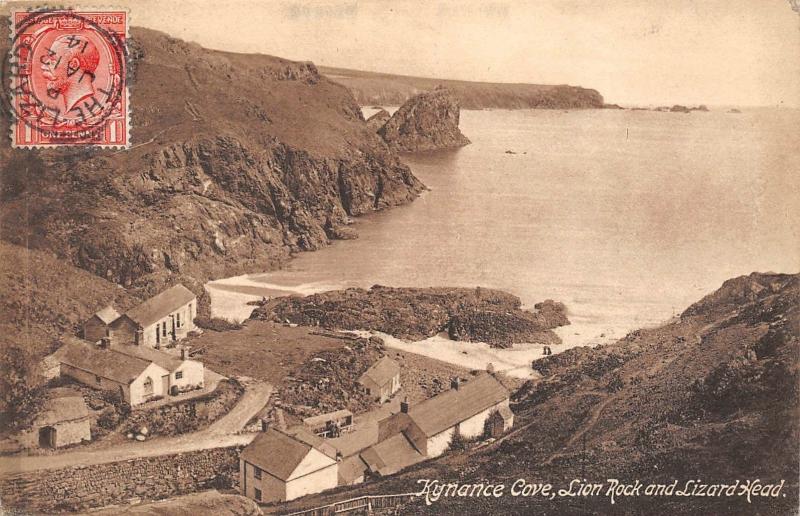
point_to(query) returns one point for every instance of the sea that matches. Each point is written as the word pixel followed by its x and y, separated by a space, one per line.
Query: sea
pixel 627 217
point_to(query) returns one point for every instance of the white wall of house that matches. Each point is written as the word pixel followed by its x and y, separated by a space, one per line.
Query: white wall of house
pixel 184 323
pixel 96 381
pixel 189 373
pixel 439 443
pixel 139 392
pixel 317 472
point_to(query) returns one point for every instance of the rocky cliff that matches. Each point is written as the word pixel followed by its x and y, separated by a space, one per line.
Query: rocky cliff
pixel 477 315
pixel 238 161
pixel 377 120
pixel 370 88
pixel 428 121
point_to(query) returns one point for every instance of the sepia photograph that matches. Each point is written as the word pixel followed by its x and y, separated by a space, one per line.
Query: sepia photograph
pixel 371 257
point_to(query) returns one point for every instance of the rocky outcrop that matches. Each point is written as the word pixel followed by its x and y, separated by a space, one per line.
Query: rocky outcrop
pixel 484 315
pixel 377 120
pixel 220 180
pixel 428 121
pixel 370 88
pixel 713 393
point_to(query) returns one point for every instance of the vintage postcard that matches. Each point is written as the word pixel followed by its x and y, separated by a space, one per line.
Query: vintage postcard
pixel 353 257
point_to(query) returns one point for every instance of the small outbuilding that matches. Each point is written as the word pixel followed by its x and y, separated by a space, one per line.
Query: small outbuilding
pixel 381 380
pixel 96 327
pixel 61 422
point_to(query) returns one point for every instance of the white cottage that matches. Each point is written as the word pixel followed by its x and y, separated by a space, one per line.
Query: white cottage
pixel 277 467
pixel 136 380
pixel 381 380
pixel 426 430
pixel 184 373
pixel 164 318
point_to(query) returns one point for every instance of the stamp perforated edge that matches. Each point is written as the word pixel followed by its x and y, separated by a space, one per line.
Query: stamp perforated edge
pixel 6 84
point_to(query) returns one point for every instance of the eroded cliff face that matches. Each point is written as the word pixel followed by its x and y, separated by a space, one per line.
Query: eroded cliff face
pixel 428 121
pixel 237 162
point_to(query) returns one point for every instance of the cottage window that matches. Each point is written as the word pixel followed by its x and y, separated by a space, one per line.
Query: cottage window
pixel 158 336
pixel 148 386
pixel 164 329
pixel 178 375
pixel 257 473
pixel 178 319
pixel 258 495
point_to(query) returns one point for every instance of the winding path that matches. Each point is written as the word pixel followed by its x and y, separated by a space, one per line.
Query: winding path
pixel 221 434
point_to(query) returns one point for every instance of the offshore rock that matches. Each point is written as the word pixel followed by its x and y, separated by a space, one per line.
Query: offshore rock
pixel 428 121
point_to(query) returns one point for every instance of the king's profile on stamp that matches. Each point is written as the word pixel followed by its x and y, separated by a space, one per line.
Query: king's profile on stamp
pixel 67 78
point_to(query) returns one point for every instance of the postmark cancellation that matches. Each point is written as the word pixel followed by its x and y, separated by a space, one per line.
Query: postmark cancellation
pixel 65 78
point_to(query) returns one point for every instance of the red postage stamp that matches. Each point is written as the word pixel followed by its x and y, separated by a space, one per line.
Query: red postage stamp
pixel 66 72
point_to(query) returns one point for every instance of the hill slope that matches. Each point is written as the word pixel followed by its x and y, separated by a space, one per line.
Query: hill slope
pixel 371 88
pixel 712 396
pixel 238 161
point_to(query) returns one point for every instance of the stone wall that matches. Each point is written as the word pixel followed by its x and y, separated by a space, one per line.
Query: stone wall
pixel 83 487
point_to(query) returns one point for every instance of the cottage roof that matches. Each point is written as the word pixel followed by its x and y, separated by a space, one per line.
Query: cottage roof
pixel 102 362
pixel 322 419
pixel 276 453
pixel 381 372
pixel 350 469
pixel 302 434
pixel 449 408
pixel 107 315
pixel 391 455
pixel 59 410
pixel 163 359
pixel 160 305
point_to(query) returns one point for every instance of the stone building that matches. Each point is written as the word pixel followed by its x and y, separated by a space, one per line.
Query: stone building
pixel 162 319
pixel 97 326
pixel 381 380
pixel 63 420
pixel 277 467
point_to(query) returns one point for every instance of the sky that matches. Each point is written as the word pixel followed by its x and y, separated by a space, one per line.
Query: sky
pixel 635 52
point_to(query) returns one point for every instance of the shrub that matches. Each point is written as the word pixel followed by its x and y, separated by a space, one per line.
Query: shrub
pixel 216 323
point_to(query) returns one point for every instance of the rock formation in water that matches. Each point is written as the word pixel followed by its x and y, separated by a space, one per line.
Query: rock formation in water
pixel 428 121
pixel 377 120
pixel 237 162
pixel 371 88
pixel 475 315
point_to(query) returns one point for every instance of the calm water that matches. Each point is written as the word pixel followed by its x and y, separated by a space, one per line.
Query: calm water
pixel 625 216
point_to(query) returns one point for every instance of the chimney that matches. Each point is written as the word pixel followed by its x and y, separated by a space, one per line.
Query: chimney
pixel 183 352
pixel 455 383
pixel 139 337
pixel 265 424
pixel 339 456
pixel 404 406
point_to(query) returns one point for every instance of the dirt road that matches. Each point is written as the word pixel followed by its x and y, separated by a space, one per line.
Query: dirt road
pixel 221 434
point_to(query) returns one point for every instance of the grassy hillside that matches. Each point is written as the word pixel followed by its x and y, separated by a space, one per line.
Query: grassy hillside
pixel 371 88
